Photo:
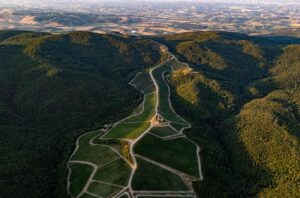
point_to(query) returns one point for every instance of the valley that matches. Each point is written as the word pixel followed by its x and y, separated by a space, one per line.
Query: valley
pixel 143 155
pixel 116 115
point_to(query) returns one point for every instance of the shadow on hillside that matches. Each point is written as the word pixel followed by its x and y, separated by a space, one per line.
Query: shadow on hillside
pixel 227 167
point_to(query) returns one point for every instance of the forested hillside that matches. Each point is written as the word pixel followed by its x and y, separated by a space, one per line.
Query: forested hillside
pixel 242 96
pixel 53 88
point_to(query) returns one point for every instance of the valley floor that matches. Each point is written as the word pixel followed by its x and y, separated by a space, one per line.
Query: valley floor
pixel 143 155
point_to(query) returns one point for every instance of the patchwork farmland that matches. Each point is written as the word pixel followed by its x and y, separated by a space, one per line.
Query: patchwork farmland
pixel 144 155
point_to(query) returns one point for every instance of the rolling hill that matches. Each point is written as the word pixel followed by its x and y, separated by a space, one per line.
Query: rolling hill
pixel 240 94
pixel 52 88
pixel 242 99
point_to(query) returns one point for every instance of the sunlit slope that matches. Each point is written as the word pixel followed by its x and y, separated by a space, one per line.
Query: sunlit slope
pixel 269 129
pixel 136 125
pixel 242 100
pixel 164 107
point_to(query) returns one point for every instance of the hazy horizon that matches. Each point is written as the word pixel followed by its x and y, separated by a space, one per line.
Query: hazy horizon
pixel 150 17
pixel 101 1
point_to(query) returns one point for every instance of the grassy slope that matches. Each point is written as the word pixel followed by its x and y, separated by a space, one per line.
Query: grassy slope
pixel 54 87
pixel 134 130
pixel 155 181
pixel 179 154
pixel 163 89
pixel 149 110
pixel 177 126
pixel 164 105
pixel 163 131
pixel 142 81
pixel 80 174
pixel 116 172
pixel 96 154
pixel 103 190
pixel 241 155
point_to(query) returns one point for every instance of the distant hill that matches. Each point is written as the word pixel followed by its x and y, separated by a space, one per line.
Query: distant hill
pixel 287 33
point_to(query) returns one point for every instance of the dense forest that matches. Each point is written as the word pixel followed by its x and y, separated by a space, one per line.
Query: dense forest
pixel 242 97
pixel 53 88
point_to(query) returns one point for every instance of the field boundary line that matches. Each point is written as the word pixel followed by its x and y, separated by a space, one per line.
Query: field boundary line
pixel 189 126
pixel 107 183
pixel 166 167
